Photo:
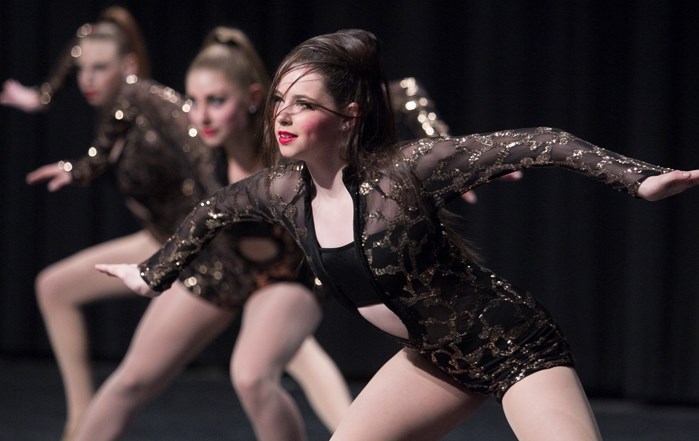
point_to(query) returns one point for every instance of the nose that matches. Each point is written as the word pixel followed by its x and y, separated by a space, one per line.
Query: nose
pixel 199 114
pixel 283 116
pixel 85 77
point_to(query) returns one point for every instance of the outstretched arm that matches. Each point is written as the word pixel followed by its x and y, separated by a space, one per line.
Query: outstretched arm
pixel 33 99
pixel 451 166
pixel 668 184
pixel 130 275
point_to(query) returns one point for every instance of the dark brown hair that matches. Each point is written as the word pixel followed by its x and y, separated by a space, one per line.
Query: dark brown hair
pixel 350 65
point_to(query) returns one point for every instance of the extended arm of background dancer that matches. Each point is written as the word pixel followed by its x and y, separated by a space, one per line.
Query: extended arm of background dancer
pixel 417 117
pixel 38 98
pixel 34 99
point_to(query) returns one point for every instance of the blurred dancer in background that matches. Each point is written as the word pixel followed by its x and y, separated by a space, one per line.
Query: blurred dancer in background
pixel 143 137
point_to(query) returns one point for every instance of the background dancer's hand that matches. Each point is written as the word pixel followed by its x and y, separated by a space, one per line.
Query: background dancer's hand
pixel 55 173
pixel 471 197
pixel 20 97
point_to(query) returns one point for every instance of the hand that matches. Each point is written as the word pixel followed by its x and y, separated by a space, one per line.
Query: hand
pixel 54 173
pixel 470 196
pixel 667 184
pixel 21 97
pixel 130 275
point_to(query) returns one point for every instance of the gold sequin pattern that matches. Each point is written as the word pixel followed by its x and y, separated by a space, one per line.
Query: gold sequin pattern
pixel 471 323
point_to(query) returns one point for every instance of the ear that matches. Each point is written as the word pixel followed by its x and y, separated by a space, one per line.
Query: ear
pixel 130 64
pixel 352 111
pixel 255 95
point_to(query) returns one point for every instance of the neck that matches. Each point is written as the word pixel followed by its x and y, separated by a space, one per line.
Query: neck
pixel 241 155
pixel 327 177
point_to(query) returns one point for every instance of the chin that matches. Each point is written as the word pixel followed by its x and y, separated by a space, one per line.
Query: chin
pixel 211 143
pixel 285 153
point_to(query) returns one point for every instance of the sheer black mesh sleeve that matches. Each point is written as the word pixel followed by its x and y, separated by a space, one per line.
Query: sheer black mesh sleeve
pixel 62 68
pixel 268 196
pixel 448 167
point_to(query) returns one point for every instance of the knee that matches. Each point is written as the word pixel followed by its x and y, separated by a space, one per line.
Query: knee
pixel 253 384
pixel 129 385
pixel 46 286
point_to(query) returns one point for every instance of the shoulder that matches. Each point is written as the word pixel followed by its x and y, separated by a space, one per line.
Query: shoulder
pixel 278 179
pixel 137 89
pixel 412 152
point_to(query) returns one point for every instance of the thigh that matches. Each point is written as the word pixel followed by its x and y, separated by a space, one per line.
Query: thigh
pixel 550 405
pixel 76 277
pixel 276 320
pixel 407 399
pixel 174 329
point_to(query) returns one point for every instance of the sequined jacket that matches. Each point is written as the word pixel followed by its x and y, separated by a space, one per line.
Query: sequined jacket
pixel 143 141
pixel 421 273
pixel 142 138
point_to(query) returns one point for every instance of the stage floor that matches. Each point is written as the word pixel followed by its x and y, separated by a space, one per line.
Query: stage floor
pixel 202 406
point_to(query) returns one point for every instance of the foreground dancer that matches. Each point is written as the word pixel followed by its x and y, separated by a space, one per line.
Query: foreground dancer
pixel 163 172
pixel 368 215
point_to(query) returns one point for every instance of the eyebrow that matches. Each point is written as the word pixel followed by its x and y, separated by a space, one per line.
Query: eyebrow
pixel 297 96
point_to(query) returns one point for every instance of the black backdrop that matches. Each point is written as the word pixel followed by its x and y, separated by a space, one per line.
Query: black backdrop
pixel 618 273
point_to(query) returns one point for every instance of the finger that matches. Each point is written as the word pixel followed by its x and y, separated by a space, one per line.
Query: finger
pixel 58 182
pixel 34 177
pixel 470 197
pixel 514 176
pixel 105 268
pixel 42 173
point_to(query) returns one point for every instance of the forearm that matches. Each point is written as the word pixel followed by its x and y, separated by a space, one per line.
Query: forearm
pixel 449 168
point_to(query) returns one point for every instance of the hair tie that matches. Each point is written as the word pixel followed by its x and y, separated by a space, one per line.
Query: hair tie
pixel 227 41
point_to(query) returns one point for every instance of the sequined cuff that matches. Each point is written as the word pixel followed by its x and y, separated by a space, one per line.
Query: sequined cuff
pixel 66 166
pixel 45 94
pixel 69 167
pixel 143 272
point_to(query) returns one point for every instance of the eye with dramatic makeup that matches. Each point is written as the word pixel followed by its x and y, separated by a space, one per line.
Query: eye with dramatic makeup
pixel 216 100
pixel 301 103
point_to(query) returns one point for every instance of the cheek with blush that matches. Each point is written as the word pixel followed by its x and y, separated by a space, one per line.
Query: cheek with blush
pixel 321 130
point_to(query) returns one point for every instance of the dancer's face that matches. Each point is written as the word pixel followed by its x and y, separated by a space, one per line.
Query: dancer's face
pixel 101 71
pixel 305 124
pixel 219 107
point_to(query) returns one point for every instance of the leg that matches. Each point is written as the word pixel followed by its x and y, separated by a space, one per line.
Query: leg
pixel 62 289
pixel 550 405
pixel 321 381
pixel 408 399
pixel 174 329
pixel 276 320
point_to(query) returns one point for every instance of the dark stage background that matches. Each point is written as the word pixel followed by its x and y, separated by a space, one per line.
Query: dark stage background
pixel 618 273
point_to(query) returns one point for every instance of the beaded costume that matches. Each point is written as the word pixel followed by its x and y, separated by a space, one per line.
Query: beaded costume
pixel 143 139
pixel 472 324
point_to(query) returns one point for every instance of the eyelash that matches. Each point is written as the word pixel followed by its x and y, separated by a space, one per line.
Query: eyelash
pixel 303 104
